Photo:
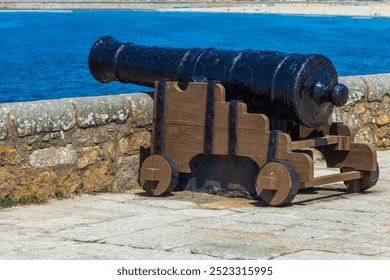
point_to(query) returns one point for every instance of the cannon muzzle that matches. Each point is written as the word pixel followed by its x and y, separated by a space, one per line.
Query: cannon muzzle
pixel 301 88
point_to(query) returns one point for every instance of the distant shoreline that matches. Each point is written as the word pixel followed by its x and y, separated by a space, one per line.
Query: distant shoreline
pixel 328 9
pixel 369 10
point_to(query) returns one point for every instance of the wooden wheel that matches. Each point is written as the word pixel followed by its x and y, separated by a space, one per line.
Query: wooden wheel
pixel 370 178
pixel 158 174
pixel 277 183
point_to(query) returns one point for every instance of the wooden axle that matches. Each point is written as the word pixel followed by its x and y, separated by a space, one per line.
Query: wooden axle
pixel 333 178
pixel 315 142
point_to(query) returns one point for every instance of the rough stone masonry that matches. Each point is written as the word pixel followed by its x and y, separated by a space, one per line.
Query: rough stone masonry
pixel 368 108
pixel 61 147
pixel 57 148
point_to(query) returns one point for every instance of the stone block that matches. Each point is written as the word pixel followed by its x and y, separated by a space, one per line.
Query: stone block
pixel 111 151
pixel 95 111
pixel 8 183
pixel 124 145
pixel 127 171
pixel 34 184
pixel 96 178
pixel 100 136
pixel 9 155
pixel 25 175
pixel 142 108
pixel 4 123
pixel 140 139
pixel 383 117
pixel 365 135
pixel 370 121
pixel 90 156
pixel 41 116
pixel 70 183
pixel 53 156
pixel 371 87
pixel 46 182
pixel 378 85
pixel 357 88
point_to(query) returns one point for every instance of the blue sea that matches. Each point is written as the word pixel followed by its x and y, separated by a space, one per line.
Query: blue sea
pixel 44 55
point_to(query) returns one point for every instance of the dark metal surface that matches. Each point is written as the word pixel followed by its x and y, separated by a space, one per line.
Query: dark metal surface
pixel 159 123
pixel 272 146
pixel 210 114
pixel 233 119
pixel 301 88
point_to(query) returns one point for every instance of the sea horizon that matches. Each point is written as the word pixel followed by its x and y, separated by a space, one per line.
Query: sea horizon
pixel 44 54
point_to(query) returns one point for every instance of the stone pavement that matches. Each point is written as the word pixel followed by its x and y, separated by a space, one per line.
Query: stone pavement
pixel 326 223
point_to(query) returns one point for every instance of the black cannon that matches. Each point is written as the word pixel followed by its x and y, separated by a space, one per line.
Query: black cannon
pixel 287 99
pixel 300 88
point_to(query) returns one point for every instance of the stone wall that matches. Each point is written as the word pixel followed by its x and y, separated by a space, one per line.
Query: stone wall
pixel 61 147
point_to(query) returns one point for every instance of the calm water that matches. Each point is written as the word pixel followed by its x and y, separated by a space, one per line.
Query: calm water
pixel 44 55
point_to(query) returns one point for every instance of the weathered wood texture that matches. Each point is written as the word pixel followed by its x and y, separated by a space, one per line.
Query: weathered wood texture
pixel 284 165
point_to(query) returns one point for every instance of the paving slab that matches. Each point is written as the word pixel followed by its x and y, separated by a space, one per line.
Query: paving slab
pixel 324 223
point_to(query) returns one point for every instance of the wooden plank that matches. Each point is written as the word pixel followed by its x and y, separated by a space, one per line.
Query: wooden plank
pixel 184 134
pixel 250 121
pixel 333 178
pixel 221 131
pixel 184 129
pixel 253 134
pixel 188 107
pixel 360 157
pixel 346 130
pixel 220 143
pixel 283 144
pixel 173 147
pixel 315 142
pixel 252 142
pixel 323 130
pixel 307 133
pixel 184 113
pixel 344 143
pixel 252 150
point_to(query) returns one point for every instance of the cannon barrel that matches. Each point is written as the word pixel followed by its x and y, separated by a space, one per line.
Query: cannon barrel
pixel 301 88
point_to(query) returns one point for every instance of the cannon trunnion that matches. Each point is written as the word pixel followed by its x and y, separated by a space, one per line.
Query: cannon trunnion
pixel 225 107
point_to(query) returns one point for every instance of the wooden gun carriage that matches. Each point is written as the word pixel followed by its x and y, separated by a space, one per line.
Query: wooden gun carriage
pixel 199 112
pixel 199 121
